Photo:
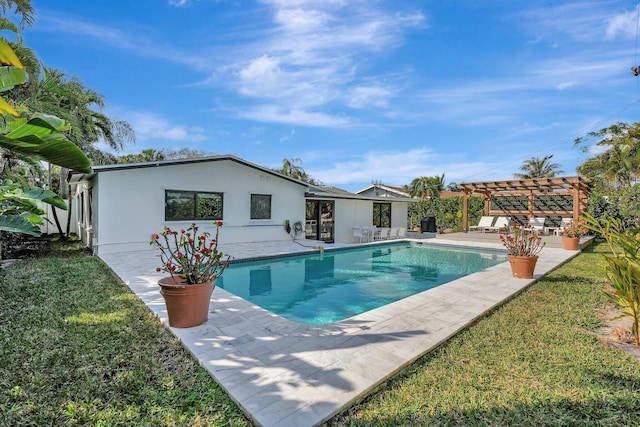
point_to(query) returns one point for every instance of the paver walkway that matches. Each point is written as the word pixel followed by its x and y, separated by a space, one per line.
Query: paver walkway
pixel 283 373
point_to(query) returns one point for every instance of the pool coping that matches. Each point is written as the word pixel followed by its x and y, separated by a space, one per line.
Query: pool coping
pixel 282 373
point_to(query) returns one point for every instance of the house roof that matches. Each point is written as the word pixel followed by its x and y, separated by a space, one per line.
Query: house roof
pixel 388 188
pixel 78 176
pixel 314 191
pixel 327 192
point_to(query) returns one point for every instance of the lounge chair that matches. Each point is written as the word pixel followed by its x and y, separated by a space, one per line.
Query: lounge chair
pixel 485 221
pixel 393 233
pixel 564 223
pixel 537 225
pixel 502 223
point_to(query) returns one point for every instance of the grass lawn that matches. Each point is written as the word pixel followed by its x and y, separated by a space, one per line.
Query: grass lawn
pixel 535 361
pixel 78 348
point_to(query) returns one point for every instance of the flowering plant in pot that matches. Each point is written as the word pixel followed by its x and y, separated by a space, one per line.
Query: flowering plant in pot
pixel 523 246
pixel 193 260
pixel 576 229
pixel 571 235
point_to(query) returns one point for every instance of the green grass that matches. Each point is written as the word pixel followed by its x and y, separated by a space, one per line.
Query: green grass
pixel 535 361
pixel 78 348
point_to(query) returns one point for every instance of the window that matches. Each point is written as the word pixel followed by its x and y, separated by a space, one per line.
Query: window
pixel 260 206
pixel 190 205
pixel 382 214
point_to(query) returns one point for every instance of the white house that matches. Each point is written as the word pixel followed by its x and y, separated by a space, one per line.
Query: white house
pixel 119 207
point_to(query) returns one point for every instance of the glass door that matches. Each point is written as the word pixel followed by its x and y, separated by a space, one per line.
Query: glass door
pixel 320 220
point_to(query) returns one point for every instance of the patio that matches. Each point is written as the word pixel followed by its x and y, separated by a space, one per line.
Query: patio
pixel 286 374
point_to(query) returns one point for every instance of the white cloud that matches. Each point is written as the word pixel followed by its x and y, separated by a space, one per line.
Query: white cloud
pixel 624 24
pixel 178 3
pixel 369 96
pixel 273 114
pixel 399 168
pixel 148 126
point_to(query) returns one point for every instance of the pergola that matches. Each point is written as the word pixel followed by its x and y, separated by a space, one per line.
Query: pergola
pixel 576 186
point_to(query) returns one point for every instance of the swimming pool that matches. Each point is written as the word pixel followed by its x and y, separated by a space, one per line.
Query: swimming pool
pixel 325 288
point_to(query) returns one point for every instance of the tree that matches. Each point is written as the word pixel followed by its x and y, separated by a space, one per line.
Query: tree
pixel 292 169
pixel 26 135
pixel 618 165
pixel 426 187
pixel 537 167
pixel 153 155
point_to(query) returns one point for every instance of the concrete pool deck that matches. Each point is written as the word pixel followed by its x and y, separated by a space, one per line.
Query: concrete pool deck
pixel 283 373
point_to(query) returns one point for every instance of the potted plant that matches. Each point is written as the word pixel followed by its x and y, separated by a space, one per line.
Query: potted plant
pixel 571 235
pixel 523 245
pixel 194 263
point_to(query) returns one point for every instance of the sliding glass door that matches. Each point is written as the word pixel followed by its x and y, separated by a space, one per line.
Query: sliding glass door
pixel 319 220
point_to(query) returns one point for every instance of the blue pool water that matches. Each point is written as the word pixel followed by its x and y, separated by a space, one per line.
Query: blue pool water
pixel 324 288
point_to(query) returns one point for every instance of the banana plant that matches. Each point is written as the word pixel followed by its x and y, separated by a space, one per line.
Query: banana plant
pixel 20 211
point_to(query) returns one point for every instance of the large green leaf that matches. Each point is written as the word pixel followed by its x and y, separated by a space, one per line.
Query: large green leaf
pixel 40 137
pixel 20 224
pixel 27 196
pixel 11 77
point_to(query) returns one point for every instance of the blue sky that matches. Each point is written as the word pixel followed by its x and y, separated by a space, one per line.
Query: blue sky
pixel 360 90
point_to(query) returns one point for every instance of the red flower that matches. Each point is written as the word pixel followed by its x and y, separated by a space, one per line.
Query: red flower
pixel 197 256
pixel 158 269
pixel 219 223
pixel 155 237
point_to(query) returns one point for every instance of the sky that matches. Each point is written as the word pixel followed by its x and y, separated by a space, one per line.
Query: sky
pixel 359 90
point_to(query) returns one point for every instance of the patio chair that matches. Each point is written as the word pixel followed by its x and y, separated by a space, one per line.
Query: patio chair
pixel 485 221
pixel 564 223
pixel 502 223
pixel 402 232
pixel 358 234
pixel 393 233
pixel 537 225
pixel 383 234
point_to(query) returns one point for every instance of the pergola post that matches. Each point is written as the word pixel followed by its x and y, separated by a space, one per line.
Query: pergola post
pixel 465 212
pixel 576 203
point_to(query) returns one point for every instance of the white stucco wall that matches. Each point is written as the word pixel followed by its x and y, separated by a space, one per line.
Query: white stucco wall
pixel 131 203
pixel 399 212
pixel 349 214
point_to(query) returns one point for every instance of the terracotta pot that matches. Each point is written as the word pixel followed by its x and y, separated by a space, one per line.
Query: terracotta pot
pixel 571 243
pixel 187 305
pixel 522 266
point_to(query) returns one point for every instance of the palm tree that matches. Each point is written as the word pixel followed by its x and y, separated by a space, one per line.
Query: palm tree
pixel 22 8
pixel 619 164
pixel 292 169
pixel 537 167
pixel 426 187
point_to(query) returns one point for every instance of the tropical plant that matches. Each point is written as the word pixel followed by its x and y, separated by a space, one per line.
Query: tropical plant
pixel 522 241
pixel 619 164
pixel 19 208
pixel 293 169
pixel 537 167
pixel 154 155
pixel 29 137
pixel 576 229
pixel 426 187
pixel 622 268
pixel 192 256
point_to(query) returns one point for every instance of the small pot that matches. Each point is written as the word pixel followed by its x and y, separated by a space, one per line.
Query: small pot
pixel 571 243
